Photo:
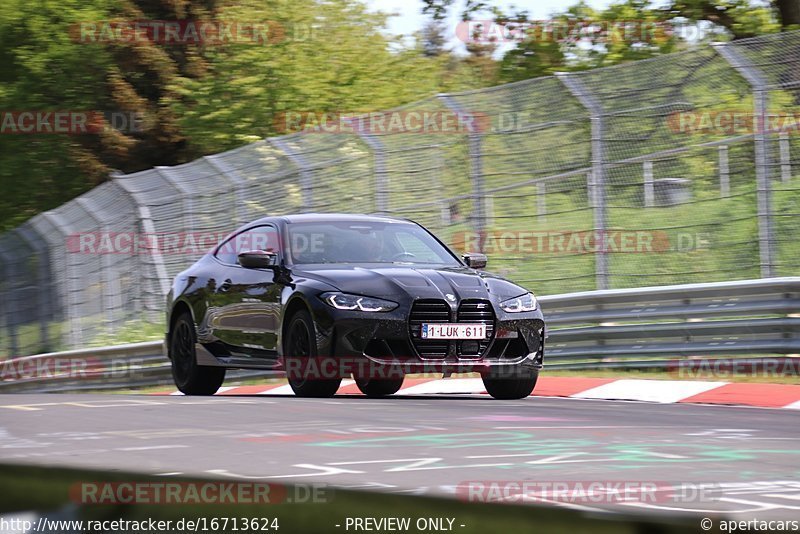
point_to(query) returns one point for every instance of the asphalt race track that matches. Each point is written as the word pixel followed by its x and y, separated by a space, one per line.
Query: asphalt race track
pixel 742 461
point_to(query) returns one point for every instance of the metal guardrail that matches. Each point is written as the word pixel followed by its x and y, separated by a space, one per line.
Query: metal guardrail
pixel 136 365
pixel 642 328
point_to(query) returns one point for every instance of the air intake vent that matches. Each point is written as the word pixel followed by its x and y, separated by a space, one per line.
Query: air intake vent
pixel 476 311
pixel 428 311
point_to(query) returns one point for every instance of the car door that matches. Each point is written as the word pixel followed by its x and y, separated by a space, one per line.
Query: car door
pixel 244 305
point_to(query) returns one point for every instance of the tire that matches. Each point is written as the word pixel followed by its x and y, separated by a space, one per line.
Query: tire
pixel 379 387
pixel 190 378
pixel 512 387
pixel 301 342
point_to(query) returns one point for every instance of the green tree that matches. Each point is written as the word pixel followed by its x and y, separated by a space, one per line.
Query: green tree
pixel 331 55
pixel 574 44
pixel 44 69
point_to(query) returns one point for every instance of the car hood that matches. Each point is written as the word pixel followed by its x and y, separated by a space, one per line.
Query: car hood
pixel 399 280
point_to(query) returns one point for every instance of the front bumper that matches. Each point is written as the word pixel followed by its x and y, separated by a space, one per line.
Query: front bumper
pixel 391 339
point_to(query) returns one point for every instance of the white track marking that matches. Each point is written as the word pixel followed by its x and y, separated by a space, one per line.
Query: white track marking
pixel 152 448
pixel 416 464
pixel 667 391
pixel 320 470
pixel 280 390
pixel 451 385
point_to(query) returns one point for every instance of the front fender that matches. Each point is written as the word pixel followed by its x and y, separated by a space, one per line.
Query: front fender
pixel 305 292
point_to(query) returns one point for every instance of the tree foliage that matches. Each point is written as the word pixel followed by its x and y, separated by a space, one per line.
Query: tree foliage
pixel 331 55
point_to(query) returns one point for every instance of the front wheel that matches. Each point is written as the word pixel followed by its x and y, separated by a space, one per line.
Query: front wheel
pixel 379 387
pixel 190 378
pixel 518 385
pixel 300 345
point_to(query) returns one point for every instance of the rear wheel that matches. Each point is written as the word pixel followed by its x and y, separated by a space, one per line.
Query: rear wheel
pixel 517 385
pixel 190 378
pixel 300 344
pixel 379 387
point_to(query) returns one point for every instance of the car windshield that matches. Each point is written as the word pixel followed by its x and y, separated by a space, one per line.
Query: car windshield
pixel 365 242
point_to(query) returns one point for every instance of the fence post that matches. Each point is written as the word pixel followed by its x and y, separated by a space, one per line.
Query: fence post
pixel 724 172
pixel 186 195
pixel 379 166
pixel 474 140
pixel 238 184
pixel 306 181
pixel 145 227
pixel 649 194
pixel 786 157
pixel 541 201
pixel 109 279
pixel 45 295
pixel 75 334
pixel 9 304
pixel 763 186
pixel 597 185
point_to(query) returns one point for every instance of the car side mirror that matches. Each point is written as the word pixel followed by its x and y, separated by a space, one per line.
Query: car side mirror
pixel 475 260
pixel 258 259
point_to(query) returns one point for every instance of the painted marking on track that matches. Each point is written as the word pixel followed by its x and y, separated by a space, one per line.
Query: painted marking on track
pixel 762 505
pixel 219 391
pixel 369 485
pixel 792 406
pixel 152 448
pixel 656 454
pixel 321 470
pixel 86 404
pixel 477 457
pixel 665 392
pixel 31 407
pixel 124 403
pixel 781 496
pixel 564 459
pixel 120 404
pixel 504 418
pixel 676 508
pixel 569 505
pixel 567 427
pixel 416 464
pixel 168 433
pixel 9 441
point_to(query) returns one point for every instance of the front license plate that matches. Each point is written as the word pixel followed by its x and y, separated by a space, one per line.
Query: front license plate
pixel 453 331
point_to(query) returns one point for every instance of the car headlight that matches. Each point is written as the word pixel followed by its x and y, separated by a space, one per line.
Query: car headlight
pixel 343 301
pixel 523 303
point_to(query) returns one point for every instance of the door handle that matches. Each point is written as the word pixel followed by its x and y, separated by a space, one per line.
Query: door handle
pixel 226 285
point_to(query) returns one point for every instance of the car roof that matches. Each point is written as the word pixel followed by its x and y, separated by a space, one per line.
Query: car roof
pixel 334 217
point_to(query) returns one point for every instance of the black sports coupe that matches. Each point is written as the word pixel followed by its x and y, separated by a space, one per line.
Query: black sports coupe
pixel 322 297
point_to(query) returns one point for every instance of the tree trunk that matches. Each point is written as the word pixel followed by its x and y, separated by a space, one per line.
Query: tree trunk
pixel 789 11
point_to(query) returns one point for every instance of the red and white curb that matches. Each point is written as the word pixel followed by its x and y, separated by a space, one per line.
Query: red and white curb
pixel 660 391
